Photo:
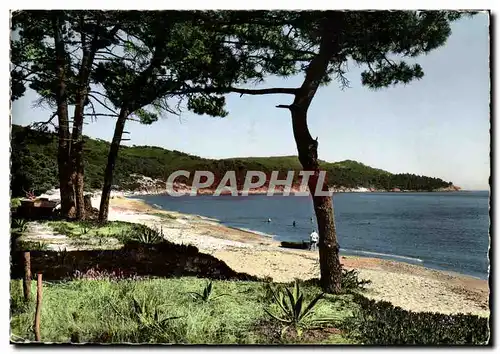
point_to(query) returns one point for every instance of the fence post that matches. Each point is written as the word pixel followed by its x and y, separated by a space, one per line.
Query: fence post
pixel 27 276
pixel 38 307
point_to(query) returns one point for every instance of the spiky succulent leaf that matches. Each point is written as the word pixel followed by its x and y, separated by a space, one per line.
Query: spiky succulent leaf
pixel 310 307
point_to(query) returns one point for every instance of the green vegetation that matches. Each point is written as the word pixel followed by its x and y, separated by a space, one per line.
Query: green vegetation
pixel 207 294
pixel 383 324
pixel 118 229
pixel 125 311
pixel 292 310
pixel 110 304
pixel 15 203
pixel 32 245
pixel 351 281
pixel 161 311
pixel 86 233
pixel 198 64
pixel 144 234
pixel 19 225
pixel 34 166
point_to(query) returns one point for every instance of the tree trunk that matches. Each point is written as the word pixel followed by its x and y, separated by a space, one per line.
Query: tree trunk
pixel 88 56
pixel 66 187
pixel 77 154
pixel 27 276
pixel 64 147
pixel 108 174
pixel 331 271
pixel 130 106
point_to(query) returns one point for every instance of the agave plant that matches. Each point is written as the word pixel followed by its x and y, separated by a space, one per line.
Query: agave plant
pixel 294 312
pixel 206 294
pixel 19 224
pixel 147 235
pixel 147 314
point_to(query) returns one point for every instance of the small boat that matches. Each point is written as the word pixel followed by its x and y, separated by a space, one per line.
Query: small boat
pixel 304 245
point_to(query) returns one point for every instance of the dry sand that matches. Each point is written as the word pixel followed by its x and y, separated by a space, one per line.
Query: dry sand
pixel 408 286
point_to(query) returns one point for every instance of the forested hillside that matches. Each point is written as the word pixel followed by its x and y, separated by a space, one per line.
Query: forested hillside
pixel 34 166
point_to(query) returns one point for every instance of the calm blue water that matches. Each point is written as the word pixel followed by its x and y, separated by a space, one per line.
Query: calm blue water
pixel 448 231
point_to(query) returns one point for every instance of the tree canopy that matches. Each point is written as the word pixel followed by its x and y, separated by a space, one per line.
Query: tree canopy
pixel 151 56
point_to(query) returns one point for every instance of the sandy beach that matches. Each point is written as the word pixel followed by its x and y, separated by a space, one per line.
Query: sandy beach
pixel 408 286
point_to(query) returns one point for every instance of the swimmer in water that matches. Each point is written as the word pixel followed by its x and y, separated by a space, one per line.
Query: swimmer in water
pixel 294 224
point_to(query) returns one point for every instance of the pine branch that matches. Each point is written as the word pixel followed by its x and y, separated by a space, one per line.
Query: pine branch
pixel 102 103
pixel 37 125
pixel 100 115
pixel 222 90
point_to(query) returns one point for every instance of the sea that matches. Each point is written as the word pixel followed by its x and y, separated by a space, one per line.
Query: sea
pixel 444 231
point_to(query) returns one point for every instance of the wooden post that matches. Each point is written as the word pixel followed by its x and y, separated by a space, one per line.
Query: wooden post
pixel 27 276
pixel 38 307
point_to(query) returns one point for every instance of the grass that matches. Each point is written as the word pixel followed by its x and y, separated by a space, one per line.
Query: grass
pixel 89 229
pixel 85 233
pixel 88 233
pixel 32 245
pixel 131 311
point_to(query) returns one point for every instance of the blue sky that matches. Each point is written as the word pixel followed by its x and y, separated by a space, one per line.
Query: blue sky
pixel 438 126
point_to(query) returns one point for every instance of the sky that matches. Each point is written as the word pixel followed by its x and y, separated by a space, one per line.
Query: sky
pixel 437 126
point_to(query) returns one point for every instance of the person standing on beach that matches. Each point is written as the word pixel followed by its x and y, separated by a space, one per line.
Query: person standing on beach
pixel 313 239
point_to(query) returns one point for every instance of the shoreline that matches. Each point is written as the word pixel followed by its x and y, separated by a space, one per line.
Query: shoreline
pixel 410 286
pixel 343 252
pixel 366 254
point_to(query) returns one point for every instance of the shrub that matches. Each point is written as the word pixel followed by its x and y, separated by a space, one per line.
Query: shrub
pixel 144 234
pixel 293 310
pixel 19 224
pixel 150 317
pixel 379 322
pixel 351 281
pixel 206 295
